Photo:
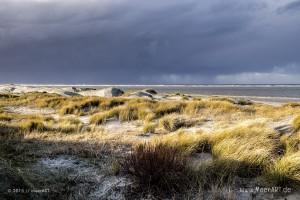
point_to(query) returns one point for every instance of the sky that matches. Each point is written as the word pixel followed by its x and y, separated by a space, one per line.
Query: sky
pixel 150 42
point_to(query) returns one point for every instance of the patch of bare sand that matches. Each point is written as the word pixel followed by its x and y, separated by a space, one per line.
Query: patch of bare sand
pixel 29 110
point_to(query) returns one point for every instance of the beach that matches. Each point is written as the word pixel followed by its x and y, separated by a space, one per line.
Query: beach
pixel 88 142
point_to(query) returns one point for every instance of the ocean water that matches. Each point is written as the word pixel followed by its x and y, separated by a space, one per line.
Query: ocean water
pixel 278 92
pixel 284 91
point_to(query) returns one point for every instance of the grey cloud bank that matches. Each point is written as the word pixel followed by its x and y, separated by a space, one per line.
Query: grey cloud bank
pixel 140 42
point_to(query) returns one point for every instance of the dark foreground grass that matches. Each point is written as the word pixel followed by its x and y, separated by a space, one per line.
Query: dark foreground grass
pixel 158 167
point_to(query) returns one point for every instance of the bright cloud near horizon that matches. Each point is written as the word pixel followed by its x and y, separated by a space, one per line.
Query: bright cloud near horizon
pixel 150 42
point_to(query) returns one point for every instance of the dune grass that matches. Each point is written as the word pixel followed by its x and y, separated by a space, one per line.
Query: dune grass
pixel 296 123
pixel 80 107
pixel 158 166
pixel 286 170
pixel 173 122
pixel 254 146
pixel 186 142
pixel 239 149
pixel 102 117
pixel 149 127
pixel 169 107
pixel 291 142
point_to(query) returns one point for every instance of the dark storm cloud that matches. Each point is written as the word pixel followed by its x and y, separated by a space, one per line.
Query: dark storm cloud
pixel 133 41
pixel 292 6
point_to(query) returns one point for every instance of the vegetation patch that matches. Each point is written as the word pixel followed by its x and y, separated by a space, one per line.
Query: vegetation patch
pixel 187 142
pixel 291 142
pixel 149 127
pixel 286 170
pixel 174 122
pixel 158 166
pixel 169 107
pixel 296 123
pixel 80 107
pixel 102 117
pixel 253 147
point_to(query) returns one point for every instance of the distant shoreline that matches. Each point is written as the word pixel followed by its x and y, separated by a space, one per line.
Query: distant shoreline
pixel 270 94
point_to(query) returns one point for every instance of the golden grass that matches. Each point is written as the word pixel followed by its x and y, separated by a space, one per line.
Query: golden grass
pixel 174 122
pixel 296 123
pixel 127 112
pixel 168 107
pixel 186 142
pixel 246 149
pixel 254 146
pixel 291 142
pixel 194 107
pixel 149 127
pixel 9 117
pixel 102 117
pixel 6 116
pixel 286 170
pixel 80 107
pixel 275 112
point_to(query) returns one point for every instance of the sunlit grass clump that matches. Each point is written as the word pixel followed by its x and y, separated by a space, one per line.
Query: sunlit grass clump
pixel 164 108
pixel 286 170
pixel 187 142
pixel 291 142
pixel 253 147
pixel 174 122
pixel 296 123
pixel 149 127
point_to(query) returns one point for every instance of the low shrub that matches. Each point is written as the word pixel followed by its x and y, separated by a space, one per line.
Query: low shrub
pixel 158 166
